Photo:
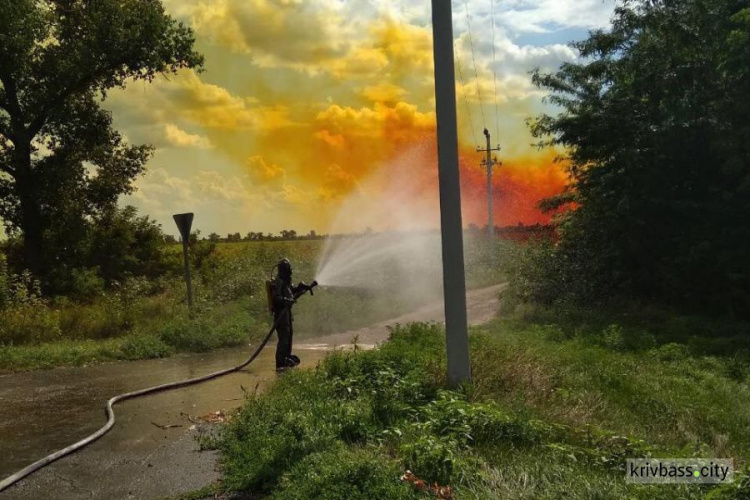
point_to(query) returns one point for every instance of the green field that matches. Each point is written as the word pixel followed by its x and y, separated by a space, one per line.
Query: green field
pixel 143 319
pixel 147 319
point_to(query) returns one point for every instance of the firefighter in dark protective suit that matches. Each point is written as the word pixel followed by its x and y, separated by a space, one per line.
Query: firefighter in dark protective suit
pixel 284 295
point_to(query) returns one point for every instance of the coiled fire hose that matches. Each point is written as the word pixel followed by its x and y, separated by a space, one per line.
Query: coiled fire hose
pixel 10 480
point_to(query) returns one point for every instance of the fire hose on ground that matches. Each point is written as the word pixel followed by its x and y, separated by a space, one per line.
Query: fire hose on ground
pixel 26 471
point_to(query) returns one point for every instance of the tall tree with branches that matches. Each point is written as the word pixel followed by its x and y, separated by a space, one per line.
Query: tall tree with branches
pixel 655 120
pixel 61 160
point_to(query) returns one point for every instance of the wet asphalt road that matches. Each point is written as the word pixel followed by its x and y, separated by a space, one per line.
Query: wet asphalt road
pixel 43 411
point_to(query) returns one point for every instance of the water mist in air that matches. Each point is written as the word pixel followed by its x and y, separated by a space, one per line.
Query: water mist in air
pixel 400 252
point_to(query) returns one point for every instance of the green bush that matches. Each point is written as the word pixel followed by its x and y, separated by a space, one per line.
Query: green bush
pixel 435 457
pixel 613 339
pixel 26 318
pixel 341 473
pixel 385 396
pixel 90 253
pixel 29 323
pixel 4 282
pixel 738 366
pixel 200 252
pixel 739 490
pixel 657 173
pixel 452 415
pixel 672 352
pixel 346 400
pixel 86 285
pixel 203 333
pixel 144 347
pixel 271 434
pixel 545 273
pixel 122 245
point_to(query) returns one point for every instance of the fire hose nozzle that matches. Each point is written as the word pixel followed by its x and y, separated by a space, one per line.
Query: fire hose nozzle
pixel 313 285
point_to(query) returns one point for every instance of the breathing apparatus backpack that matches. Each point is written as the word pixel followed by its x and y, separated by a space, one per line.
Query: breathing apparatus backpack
pixel 269 291
pixel 269 295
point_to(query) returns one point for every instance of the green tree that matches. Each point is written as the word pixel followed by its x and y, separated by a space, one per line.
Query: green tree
pixel 288 234
pixel 123 244
pixel 656 125
pixel 253 236
pixel 61 161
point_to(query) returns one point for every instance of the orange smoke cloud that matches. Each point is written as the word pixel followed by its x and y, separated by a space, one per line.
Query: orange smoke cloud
pixel 368 139
pixel 348 146
pixel 518 184
pixel 517 187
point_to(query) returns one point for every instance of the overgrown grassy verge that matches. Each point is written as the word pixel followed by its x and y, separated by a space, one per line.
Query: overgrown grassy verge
pixel 227 327
pixel 673 380
pixel 140 319
pixel 547 417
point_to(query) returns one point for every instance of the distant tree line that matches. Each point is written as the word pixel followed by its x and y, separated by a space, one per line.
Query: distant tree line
pixel 284 235
pixel 518 232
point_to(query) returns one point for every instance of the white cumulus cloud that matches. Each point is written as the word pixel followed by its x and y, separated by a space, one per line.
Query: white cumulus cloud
pixel 177 137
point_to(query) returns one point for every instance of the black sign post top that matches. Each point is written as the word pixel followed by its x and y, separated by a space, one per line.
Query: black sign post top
pixel 184 223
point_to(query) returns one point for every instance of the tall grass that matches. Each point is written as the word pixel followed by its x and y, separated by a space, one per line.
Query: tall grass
pixel 524 429
pixel 141 318
pixel 629 373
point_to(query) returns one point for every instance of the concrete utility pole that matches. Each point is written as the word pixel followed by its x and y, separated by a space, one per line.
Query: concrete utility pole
pixel 489 162
pixel 454 285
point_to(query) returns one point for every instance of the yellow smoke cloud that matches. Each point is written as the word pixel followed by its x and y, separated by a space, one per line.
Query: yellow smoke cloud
pixel 306 105
pixel 384 92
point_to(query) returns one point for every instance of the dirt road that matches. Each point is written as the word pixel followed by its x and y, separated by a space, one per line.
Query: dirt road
pixel 151 452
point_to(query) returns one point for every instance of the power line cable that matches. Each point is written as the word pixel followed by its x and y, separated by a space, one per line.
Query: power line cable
pixel 463 92
pixel 494 70
pixel 474 60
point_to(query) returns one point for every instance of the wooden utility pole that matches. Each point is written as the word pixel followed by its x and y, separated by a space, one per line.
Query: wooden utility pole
pixel 454 285
pixel 488 163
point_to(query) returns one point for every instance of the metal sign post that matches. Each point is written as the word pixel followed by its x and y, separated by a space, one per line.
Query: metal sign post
pixel 184 223
pixel 454 285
